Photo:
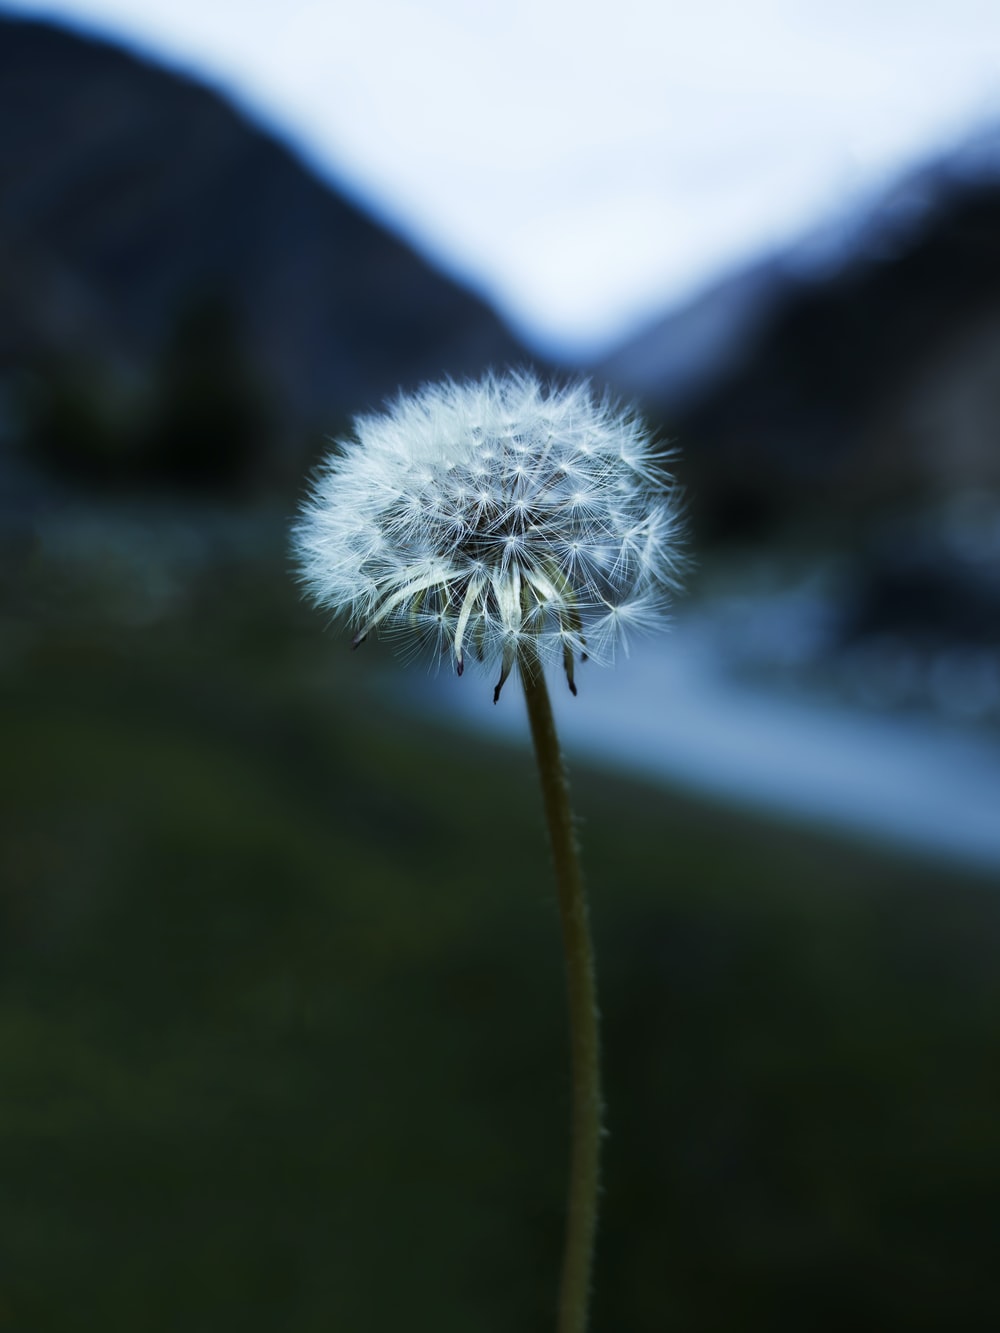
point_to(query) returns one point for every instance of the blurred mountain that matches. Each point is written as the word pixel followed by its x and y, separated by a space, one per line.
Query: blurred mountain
pixel 862 363
pixel 154 243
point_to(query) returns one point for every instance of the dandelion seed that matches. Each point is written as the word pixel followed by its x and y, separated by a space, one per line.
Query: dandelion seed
pixel 484 517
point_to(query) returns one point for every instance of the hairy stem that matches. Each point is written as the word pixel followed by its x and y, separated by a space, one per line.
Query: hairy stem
pixel 574 1294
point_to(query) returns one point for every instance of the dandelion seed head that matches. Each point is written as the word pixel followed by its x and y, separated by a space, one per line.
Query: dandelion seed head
pixel 488 519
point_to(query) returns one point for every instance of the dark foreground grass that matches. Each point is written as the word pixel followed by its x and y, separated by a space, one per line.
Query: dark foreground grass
pixel 282 1040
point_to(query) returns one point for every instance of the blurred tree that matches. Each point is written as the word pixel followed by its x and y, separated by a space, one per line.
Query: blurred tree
pixel 210 424
pixel 203 424
pixel 75 419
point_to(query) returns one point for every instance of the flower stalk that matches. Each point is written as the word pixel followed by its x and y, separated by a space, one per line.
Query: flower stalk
pixel 581 1217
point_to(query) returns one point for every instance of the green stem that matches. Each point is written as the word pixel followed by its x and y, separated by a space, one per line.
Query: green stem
pixel 586 1106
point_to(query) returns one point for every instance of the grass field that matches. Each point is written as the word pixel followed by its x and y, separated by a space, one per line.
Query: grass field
pixel 282 1040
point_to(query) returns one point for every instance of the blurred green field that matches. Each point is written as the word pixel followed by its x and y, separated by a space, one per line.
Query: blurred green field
pixel 282 1041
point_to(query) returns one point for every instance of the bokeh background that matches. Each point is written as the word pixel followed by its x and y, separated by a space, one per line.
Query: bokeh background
pixel 282 1040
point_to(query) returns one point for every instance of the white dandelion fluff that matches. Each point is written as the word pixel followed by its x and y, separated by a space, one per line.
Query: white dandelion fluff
pixel 496 520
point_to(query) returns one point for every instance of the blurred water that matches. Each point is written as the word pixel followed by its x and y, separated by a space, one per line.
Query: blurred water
pixel 676 709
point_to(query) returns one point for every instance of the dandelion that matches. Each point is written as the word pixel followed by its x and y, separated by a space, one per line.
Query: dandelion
pixel 518 527
pixel 495 521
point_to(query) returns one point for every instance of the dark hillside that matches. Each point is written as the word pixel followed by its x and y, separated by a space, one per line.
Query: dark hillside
pixel 860 366
pixel 135 204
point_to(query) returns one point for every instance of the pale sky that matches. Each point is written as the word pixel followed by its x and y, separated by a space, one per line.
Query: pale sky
pixel 587 164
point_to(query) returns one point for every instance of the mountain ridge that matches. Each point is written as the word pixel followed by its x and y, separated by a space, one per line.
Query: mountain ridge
pixel 865 357
pixel 130 193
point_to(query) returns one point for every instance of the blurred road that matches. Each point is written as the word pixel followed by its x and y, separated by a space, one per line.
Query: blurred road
pixel 673 710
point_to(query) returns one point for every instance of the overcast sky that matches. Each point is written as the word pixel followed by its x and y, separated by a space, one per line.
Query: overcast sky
pixel 588 163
